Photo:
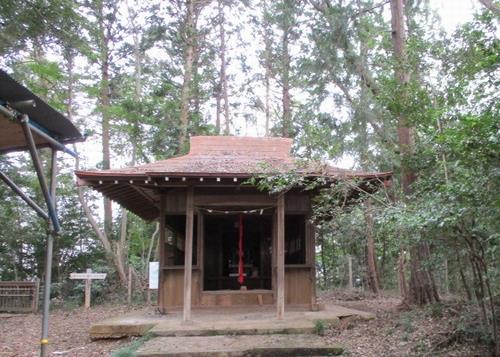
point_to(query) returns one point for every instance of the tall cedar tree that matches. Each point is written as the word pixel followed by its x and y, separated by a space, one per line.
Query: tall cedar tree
pixel 422 288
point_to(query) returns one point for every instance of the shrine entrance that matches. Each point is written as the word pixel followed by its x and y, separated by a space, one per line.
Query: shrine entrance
pixel 226 237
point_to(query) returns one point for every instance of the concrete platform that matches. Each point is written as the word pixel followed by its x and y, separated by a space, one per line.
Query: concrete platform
pixel 232 346
pixel 133 324
pixel 244 320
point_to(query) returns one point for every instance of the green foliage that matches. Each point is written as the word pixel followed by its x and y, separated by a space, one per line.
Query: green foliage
pixel 436 310
pixel 407 324
pixel 129 350
pixel 23 236
pixel 319 327
pixel 468 329
pixel 345 101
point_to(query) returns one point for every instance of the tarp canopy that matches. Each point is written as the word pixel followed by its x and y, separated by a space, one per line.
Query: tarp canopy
pixel 41 115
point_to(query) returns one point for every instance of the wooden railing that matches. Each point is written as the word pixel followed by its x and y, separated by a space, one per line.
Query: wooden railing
pixel 19 296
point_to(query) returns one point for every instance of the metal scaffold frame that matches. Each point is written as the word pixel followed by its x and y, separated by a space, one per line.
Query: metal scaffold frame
pixel 33 136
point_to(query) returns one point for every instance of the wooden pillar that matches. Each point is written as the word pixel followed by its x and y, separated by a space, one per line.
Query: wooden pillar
pixel 36 296
pixel 311 259
pixel 88 282
pixel 280 257
pixel 188 255
pixel 201 246
pixel 274 264
pixel 161 242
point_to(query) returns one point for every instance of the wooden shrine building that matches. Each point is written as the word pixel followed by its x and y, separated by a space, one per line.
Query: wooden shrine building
pixel 223 242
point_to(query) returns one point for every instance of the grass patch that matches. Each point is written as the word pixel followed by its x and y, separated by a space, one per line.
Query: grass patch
pixel 405 322
pixel 130 349
pixel 319 327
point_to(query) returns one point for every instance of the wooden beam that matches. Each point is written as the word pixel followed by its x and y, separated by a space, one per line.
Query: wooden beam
pixel 232 198
pixel 280 278
pixel 144 194
pixel 161 242
pixel 188 255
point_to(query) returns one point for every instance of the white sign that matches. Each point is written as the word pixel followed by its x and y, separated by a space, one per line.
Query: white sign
pixel 85 276
pixel 154 270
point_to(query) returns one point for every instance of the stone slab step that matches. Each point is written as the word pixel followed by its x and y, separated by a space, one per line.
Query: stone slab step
pixel 232 346
pixel 242 327
pixel 123 326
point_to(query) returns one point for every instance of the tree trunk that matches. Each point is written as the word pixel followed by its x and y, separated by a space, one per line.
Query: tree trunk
pixel 217 108
pixel 150 247
pixel 267 73
pixel 115 250
pixel 491 6
pixel 285 79
pixel 223 77
pixel 110 251
pixel 323 263
pixel 373 279
pixel 370 245
pixel 422 289
pixel 105 102
pixel 463 279
pixel 403 288
pixel 189 38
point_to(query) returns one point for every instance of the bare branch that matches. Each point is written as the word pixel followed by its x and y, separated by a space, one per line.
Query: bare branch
pixel 491 6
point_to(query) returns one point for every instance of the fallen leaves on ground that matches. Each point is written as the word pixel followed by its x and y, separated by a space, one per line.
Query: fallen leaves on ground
pixel 414 332
pixel 393 332
pixel 68 332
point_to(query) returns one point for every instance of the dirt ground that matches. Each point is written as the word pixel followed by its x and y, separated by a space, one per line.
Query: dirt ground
pixel 68 333
pixel 397 332
pixel 418 332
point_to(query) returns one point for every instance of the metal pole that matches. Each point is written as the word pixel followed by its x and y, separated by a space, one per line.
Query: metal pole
pixel 21 194
pixel 7 113
pixel 39 172
pixel 52 141
pixel 48 261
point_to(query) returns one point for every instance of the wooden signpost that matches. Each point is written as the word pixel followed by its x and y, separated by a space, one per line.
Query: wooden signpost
pixel 88 276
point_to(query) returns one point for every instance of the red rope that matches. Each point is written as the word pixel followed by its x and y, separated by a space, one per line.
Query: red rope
pixel 241 277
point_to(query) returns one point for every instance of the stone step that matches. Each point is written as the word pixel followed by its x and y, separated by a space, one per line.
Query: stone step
pixel 232 346
pixel 256 320
pixel 242 327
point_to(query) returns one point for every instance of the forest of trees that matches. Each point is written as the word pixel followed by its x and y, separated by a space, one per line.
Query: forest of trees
pixel 379 82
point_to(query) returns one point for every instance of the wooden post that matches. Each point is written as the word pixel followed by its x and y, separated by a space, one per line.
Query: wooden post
pixel 188 255
pixel 349 262
pixel 88 276
pixel 36 296
pixel 161 242
pixel 87 290
pixel 274 265
pixel 201 245
pixel 129 290
pixel 280 279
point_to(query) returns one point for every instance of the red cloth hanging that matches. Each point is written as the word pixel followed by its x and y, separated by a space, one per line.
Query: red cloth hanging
pixel 241 270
